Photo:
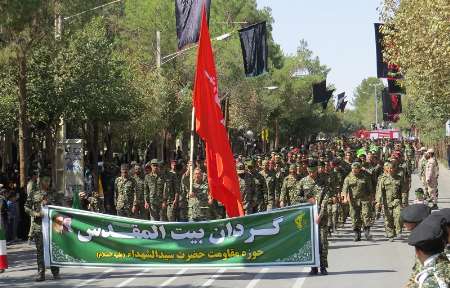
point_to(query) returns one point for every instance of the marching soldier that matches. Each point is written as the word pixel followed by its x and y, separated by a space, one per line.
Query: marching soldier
pixel 139 210
pixel 289 194
pixel 171 193
pixel 153 191
pixel 270 179
pixel 200 202
pixel 124 190
pixel 247 188
pixel 37 199
pixel 358 190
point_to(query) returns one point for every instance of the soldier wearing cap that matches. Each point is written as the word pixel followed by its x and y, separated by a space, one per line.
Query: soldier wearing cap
pixel 429 240
pixel 125 191
pixel 271 185
pixel 38 198
pixel 153 190
pixel 247 187
pixel 200 202
pixel 389 198
pixel 359 191
pixel 184 194
pixel 289 192
pixel 412 216
pixel 139 210
pixel 260 187
pixel 431 176
pixel 171 193
pixel 313 189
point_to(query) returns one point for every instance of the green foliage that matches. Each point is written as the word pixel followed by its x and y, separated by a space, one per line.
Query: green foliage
pixel 417 39
pixel 364 103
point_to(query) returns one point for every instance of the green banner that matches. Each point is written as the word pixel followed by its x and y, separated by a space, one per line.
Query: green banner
pixel 287 236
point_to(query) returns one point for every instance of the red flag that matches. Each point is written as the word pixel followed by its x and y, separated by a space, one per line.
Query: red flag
pixel 222 176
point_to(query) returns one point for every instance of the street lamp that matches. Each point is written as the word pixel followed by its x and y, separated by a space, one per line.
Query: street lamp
pixel 375 86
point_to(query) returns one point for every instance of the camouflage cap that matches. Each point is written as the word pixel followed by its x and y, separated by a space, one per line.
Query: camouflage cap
pixel 292 167
pixel 154 162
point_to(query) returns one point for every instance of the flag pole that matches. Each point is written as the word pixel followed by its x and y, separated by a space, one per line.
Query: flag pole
pixel 191 156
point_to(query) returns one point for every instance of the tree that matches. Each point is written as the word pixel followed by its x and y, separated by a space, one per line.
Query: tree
pixel 417 39
pixel 364 102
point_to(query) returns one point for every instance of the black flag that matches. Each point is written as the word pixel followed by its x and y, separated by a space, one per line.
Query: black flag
pixel 394 87
pixel 343 106
pixel 392 106
pixel 382 67
pixel 320 92
pixel 254 49
pixel 188 15
pixel 341 98
pixel 327 99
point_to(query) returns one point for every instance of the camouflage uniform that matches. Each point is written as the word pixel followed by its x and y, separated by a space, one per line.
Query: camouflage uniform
pixel 389 194
pixel 183 199
pixel 422 169
pixel 140 212
pixel 269 197
pixel 33 207
pixel 359 188
pixel 124 189
pixel 199 208
pixel 96 204
pixel 289 191
pixel 307 188
pixel 260 191
pixel 374 171
pixel 436 273
pixel 407 176
pixel 247 187
pixel 171 192
pixel 153 194
pixel 333 203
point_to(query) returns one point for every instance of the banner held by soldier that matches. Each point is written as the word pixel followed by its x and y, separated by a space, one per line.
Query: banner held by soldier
pixel 287 236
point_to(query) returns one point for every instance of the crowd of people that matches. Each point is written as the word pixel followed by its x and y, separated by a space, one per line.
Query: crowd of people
pixel 360 180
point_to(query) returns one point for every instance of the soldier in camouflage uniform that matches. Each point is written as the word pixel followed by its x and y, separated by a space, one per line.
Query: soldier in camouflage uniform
pixel 92 203
pixel 289 190
pixel 33 207
pixel 270 180
pixel 313 188
pixel 374 169
pixel 403 174
pixel 359 191
pixel 422 169
pixel 153 191
pixel 428 238
pixel 260 187
pixel 389 197
pixel 171 193
pixel 247 187
pixel 139 210
pixel 183 199
pixel 124 190
pixel 199 200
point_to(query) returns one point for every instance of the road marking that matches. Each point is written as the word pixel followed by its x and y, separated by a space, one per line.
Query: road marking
pixel 301 280
pixel 214 277
pixel 129 280
pixel 257 278
pixel 170 280
pixel 95 278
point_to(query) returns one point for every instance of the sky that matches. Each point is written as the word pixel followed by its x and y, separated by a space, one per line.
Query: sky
pixel 339 32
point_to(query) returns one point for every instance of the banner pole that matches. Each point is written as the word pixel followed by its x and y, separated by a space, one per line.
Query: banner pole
pixel 191 157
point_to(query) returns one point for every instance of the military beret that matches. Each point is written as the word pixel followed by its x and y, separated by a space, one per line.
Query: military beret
pixel 154 162
pixel 292 167
pixel 356 165
pixel 415 213
pixel 428 233
pixel 445 213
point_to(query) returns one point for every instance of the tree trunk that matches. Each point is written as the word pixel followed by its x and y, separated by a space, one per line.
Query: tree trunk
pixel 23 120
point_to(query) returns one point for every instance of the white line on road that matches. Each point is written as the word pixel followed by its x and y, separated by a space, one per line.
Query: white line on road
pixel 94 278
pixel 170 280
pixel 129 280
pixel 257 277
pixel 214 277
pixel 301 280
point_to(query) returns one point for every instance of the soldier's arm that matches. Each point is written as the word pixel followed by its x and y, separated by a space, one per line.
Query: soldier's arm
pixel 283 194
pixel 116 191
pixel 29 205
pixel 379 190
pixel 345 188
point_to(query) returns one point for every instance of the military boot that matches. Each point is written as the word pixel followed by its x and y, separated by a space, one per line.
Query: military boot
pixel 357 235
pixel 40 277
pixel 367 233
pixel 323 271
pixel 314 271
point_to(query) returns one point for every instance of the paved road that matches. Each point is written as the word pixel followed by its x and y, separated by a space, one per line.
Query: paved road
pixel 367 264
